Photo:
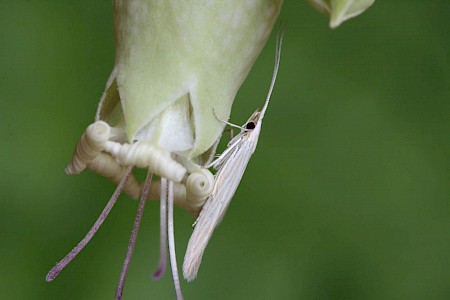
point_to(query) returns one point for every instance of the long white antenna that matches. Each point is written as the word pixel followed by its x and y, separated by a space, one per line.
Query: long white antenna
pixel 279 42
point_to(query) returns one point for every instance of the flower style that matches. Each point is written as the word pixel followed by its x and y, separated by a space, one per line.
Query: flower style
pixel 178 67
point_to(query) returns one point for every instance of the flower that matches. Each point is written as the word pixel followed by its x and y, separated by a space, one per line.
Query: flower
pixel 178 67
pixel 340 11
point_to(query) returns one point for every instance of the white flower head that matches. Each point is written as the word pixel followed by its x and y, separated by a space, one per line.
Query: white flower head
pixel 178 67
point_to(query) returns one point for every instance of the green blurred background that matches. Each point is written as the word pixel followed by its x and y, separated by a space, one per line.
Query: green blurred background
pixel 346 197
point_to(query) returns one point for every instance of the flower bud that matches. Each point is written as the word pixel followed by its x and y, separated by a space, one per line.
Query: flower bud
pixel 341 10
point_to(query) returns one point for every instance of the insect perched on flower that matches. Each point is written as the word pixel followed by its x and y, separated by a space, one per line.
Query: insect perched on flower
pixel 230 166
pixel 178 67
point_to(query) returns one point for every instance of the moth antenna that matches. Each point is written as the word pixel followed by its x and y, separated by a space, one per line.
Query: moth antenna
pixel 147 155
pixel 163 231
pixel 90 145
pixel 72 254
pixel 172 253
pixel 279 42
pixel 108 167
pixel 134 233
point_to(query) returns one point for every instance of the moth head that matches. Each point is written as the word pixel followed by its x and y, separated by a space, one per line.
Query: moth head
pixel 252 121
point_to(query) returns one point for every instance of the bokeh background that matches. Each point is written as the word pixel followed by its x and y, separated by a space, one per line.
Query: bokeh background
pixel 346 197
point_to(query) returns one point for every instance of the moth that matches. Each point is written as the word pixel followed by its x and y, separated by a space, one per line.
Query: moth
pixel 230 166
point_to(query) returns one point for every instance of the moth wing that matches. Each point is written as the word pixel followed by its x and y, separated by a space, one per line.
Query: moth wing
pixel 232 147
pixel 227 180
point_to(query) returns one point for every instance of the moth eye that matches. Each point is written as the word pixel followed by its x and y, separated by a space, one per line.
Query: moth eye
pixel 250 125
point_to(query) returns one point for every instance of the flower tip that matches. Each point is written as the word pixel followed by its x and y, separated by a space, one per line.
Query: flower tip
pixel 340 11
pixel 335 23
pixel 189 271
pixel 158 274
pixel 161 268
pixel 51 275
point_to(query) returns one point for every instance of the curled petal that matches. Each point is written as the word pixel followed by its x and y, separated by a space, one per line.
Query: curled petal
pixel 91 144
pixel 108 167
pixel 145 154
pixel 199 186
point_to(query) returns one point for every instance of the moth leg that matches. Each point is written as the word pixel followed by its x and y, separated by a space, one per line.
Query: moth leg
pixel 231 133
pixel 227 123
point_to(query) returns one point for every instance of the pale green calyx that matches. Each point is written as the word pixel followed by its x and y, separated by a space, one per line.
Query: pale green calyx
pixel 180 63
pixel 178 66
pixel 341 10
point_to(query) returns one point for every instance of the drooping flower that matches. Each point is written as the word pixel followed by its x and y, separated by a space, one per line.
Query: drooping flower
pixel 178 67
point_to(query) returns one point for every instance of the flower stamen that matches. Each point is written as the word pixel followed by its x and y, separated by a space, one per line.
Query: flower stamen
pixel 72 254
pixel 163 231
pixel 134 234
pixel 172 253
